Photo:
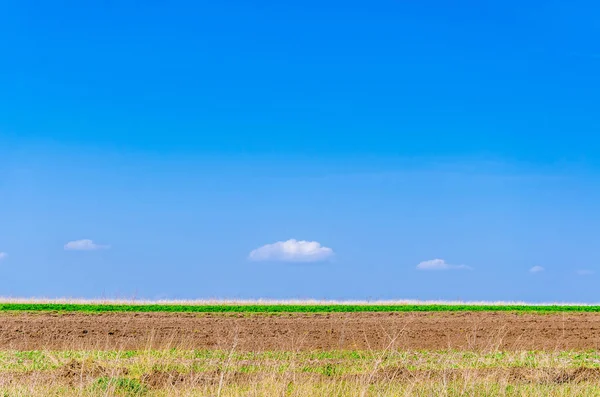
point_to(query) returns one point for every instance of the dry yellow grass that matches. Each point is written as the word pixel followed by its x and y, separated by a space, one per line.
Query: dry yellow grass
pixel 180 372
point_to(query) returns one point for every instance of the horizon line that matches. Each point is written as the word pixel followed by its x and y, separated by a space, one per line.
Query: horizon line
pixel 283 302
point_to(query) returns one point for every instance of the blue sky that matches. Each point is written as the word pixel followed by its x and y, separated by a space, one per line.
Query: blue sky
pixel 338 150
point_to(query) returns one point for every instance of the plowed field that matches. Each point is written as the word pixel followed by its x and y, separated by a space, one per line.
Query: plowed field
pixel 301 332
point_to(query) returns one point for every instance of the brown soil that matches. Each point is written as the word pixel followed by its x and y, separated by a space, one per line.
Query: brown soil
pixel 511 375
pixel 413 331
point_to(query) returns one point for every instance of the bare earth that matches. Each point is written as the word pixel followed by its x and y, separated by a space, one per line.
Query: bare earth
pixel 377 331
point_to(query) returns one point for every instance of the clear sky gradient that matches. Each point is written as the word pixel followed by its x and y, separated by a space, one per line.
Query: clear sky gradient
pixel 427 150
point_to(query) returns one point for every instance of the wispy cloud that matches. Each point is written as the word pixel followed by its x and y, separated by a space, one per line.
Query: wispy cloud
pixel 3 255
pixel 440 264
pixel 84 245
pixel 291 251
pixel 585 272
pixel 536 269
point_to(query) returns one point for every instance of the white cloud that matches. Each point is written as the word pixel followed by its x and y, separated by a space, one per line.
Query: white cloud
pixel 536 269
pixel 584 272
pixel 84 245
pixel 3 255
pixel 291 251
pixel 440 264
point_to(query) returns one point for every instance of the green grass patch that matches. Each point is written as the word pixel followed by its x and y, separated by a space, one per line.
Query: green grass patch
pixel 119 386
pixel 283 308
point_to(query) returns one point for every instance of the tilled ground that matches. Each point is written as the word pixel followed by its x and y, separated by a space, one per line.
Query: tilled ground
pixel 296 332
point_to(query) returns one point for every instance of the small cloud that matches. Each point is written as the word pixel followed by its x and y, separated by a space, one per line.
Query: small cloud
pixel 3 255
pixel 84 245
pixel 291 251
pixel 440 264
pixel 584 272
pixel 536 269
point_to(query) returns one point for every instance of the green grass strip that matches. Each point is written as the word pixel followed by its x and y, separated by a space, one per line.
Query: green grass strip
pixel 147 308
